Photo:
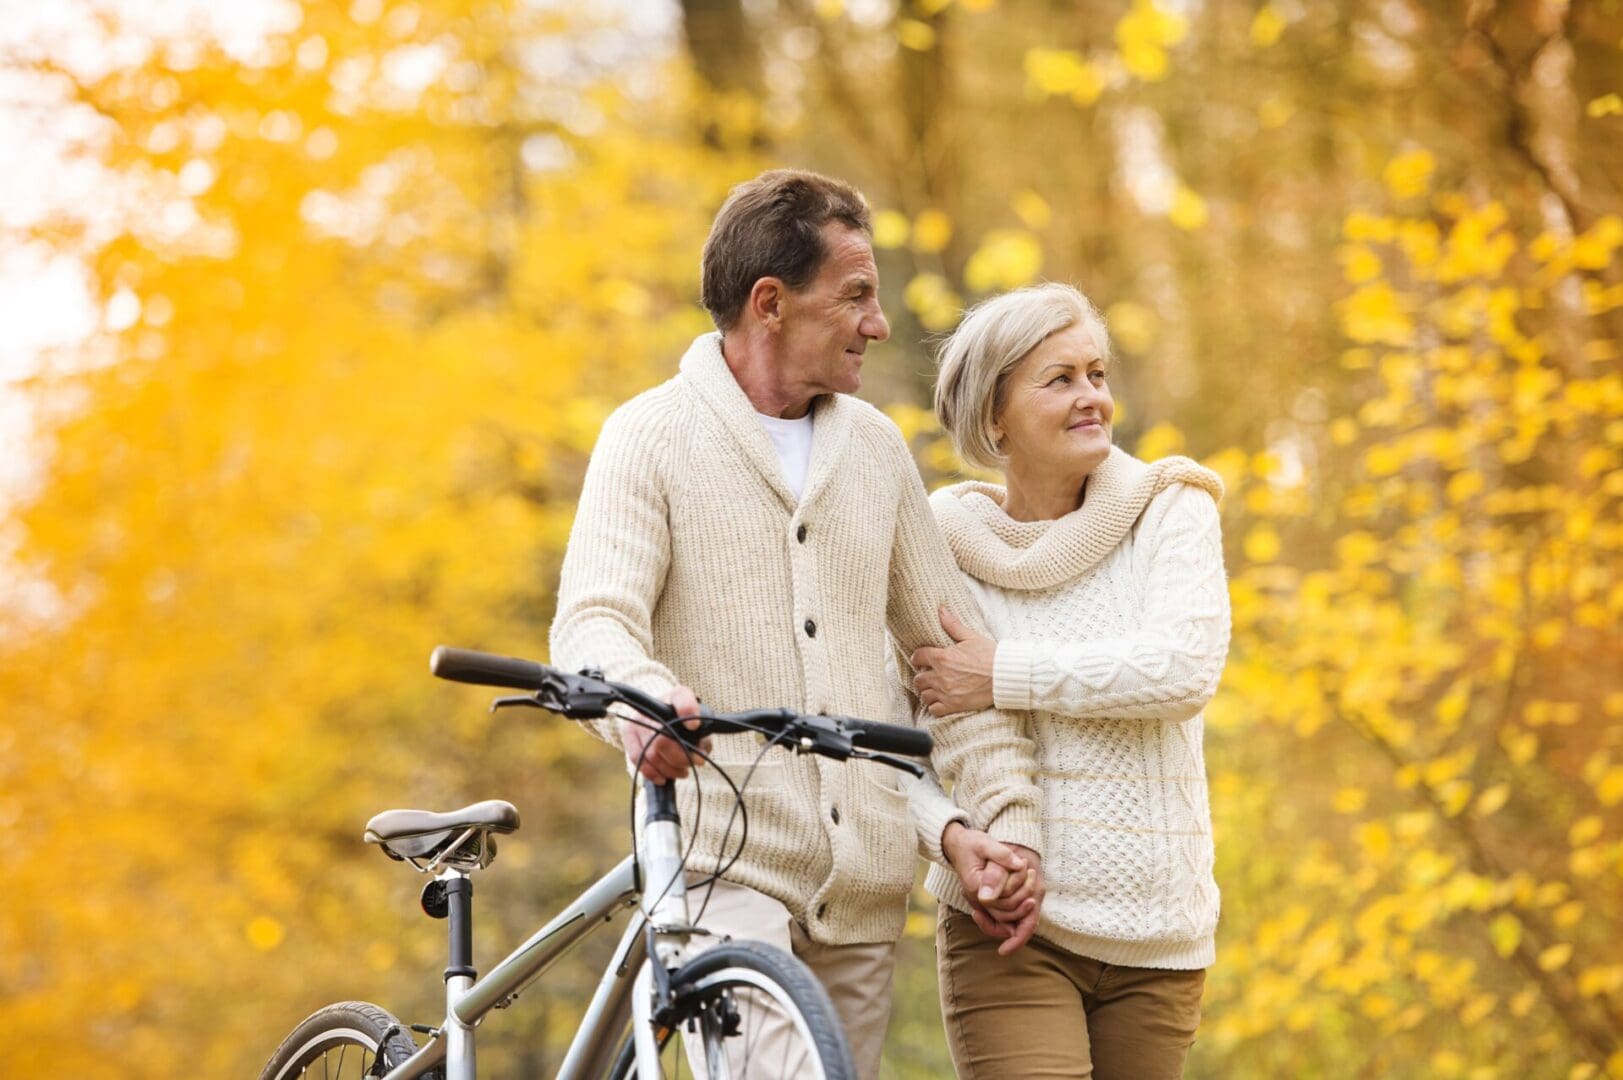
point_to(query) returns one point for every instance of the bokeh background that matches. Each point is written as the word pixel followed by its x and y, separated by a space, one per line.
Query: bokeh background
pixel 311 312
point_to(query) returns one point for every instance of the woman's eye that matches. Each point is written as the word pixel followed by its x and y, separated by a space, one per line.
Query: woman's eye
pixel 1097 375
pixel 1059 380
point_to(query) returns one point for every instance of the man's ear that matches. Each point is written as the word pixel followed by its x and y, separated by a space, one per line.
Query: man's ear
pixel 765 302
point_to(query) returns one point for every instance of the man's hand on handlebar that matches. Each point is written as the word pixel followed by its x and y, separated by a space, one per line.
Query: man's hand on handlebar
pixel 664 759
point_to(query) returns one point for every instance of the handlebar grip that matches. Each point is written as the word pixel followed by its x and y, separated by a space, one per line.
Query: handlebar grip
pixel 486 669
pixel 889 738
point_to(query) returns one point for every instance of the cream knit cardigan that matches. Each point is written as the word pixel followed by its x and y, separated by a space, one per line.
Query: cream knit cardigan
pixel 1112 626
pixel 689 561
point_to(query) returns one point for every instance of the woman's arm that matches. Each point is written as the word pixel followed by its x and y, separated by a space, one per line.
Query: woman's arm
pixel 1168 670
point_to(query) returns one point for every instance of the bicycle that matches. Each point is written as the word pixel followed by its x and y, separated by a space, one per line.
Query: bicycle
pixel 656 991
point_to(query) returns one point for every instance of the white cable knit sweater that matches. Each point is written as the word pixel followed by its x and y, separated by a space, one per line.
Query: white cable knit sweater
pixel 1112 626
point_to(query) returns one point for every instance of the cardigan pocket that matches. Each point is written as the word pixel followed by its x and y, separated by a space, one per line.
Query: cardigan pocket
pixel 885 839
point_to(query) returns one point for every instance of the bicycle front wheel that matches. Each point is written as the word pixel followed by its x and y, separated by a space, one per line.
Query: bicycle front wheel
pixel 340 1042
pixel 748 1011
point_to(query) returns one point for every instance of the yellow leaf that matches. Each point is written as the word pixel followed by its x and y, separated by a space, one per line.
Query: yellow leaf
pixel 1162 440
pixel 1609 789
pixel 1584 830
pixel 1451 709
pixel 1359 264
pixel 930 298
pixel 890 229
pixel 1605 105
pixel 1032 209
pixel 1262 544
pixel 1275 112
pixel 1006 259
pixel 1132 325
pixel 1063 72
pixel 1266 26
pixel 1349 800
pixel 1520 746
pixel 1491 800
pixel 1568 914
pixel 914 34
pixel 1188 211
pixel 1554 957
pixel 1374 314
pixel 1408 175
pixel 264 933
pixel 1595 981
pixel 1505 932
pixel 1478 1007
pixel 932 230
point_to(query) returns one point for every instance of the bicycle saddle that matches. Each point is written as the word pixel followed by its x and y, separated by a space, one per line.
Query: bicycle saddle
pixel 423 834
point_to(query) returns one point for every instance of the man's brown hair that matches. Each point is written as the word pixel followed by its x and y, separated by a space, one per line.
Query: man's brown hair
pixel 772 226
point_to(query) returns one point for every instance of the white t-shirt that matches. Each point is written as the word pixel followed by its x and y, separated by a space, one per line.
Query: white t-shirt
pixel 792 439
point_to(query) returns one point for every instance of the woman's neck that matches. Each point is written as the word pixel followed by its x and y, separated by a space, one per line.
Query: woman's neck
pixel 1041 498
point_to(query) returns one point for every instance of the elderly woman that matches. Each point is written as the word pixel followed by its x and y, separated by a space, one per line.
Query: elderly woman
pixel 1102 580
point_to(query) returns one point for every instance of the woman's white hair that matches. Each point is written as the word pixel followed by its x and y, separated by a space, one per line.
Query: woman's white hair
pixel 995 335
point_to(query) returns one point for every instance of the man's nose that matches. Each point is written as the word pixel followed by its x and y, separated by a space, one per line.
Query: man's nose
pixel 875 327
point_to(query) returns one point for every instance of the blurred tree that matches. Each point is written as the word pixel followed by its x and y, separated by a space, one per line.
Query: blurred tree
pixel 379 280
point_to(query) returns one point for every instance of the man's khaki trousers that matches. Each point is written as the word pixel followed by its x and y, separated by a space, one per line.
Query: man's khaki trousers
pixel 1046 1012
pixel 857 977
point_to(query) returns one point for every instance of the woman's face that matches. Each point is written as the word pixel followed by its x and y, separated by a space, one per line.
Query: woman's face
pixel 1057 408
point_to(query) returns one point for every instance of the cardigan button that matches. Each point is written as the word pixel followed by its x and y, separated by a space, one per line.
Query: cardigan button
pixel 822 909
pixel 835 814
pixel 811 628
pixel 800 534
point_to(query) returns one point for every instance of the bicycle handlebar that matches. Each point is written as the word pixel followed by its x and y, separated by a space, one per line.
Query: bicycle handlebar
pixel 588 695
pixel 486 669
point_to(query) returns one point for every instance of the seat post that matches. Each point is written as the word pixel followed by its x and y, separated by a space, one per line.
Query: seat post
pixel 459 974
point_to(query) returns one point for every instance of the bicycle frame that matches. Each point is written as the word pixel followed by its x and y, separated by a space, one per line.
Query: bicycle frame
pixel 591 1054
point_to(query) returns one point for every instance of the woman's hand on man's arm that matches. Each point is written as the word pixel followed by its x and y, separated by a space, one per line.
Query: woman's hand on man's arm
pixel 956 679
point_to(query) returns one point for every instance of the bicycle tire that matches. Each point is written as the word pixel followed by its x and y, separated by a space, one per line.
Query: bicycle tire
pixel 753 970
pixel 329 1036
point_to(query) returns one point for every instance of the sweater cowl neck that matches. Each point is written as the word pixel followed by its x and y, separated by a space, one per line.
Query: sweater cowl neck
pixel 1029 555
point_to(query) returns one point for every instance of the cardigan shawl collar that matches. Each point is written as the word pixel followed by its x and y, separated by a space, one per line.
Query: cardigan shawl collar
pixel 1028 556
pixel 705 369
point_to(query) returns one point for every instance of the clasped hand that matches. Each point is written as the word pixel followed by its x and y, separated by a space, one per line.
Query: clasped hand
pixel 1002 883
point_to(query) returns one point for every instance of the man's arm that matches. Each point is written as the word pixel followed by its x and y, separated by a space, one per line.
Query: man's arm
pixel 614 568
pixel 987 756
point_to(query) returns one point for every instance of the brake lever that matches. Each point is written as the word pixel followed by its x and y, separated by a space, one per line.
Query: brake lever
pixel 528 700
pixel 894 762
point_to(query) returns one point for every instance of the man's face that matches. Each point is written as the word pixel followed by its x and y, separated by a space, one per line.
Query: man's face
pixel 828 323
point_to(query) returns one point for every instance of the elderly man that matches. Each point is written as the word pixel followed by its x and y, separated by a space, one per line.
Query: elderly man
pixel 747 533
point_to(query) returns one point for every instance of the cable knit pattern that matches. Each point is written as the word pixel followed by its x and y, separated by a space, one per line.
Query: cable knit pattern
pixel 691 561
pixel 1112 626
